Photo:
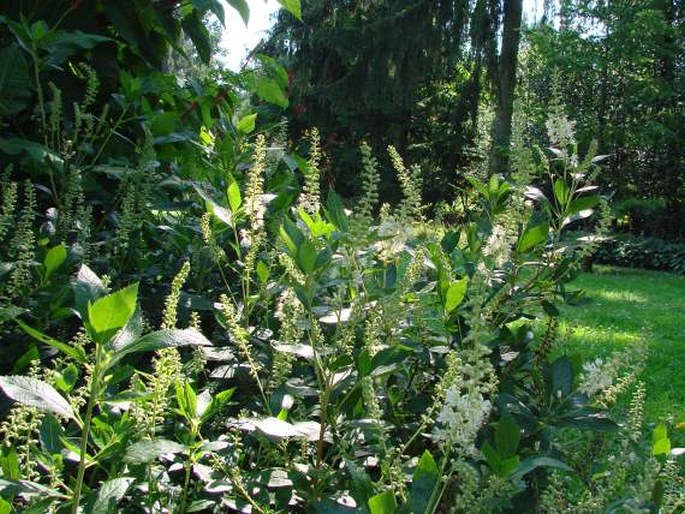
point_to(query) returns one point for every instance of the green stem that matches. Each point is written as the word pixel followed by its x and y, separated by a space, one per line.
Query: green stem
pixel 92 399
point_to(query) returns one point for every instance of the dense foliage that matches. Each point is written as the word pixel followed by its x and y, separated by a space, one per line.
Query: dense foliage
pixel 190 322
pixel 643 252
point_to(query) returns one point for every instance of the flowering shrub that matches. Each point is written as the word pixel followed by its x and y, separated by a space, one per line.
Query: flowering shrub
pixel 353 361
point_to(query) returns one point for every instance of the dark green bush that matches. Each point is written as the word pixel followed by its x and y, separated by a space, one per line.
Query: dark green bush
pixel 643 252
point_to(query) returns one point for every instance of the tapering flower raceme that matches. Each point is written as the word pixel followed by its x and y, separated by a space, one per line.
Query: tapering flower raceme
pixel 410 183
pixel 170 315
pixel 22 245
pixel 311 191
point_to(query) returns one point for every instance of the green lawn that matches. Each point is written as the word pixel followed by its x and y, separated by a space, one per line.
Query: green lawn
pixel 624 307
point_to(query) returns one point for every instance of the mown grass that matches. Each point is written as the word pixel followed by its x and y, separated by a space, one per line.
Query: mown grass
pixel 624 307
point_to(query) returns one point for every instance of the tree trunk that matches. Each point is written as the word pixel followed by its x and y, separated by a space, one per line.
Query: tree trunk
pixel 505 86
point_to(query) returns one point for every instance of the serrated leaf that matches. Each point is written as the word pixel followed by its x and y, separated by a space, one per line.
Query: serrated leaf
pixel 166 338
pixel 110 494
pixel 247 123
pixel 54 258
pixel 143 452
pixel 88 288
pixel 35 393
pixel 113 311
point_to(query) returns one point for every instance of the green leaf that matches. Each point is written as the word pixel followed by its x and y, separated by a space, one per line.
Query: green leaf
pixel 9 464
pixel 582 203
pixel 247 123
pixel 532 463
pixel 110 494
pixel 383 503
pixel 262 272
pixel 15 85
pixel 218 401
pixel 561 192
pixel 242 8
pixel 661 444
pixel 194 27
pixel 306 257
pixel 561 376
pixel 426 476
pixel 533 236
pixel 11 312
pixel 455 294
pixel 507 437
pixel 50 434
pixel 54 258
pixel 26 488
pixel 63 45
pixel 35 393
pixel 293 7
pixel 76 353
pixel 234 198
pixel 87 289
pixel 113 311
pixel 362 485
pixel 269 91
pixel 143 452
pixel 166 338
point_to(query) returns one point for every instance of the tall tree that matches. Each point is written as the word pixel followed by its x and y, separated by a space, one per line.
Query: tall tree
pixel 504 85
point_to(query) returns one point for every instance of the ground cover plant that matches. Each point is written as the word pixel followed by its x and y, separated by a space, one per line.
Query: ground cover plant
pixel 191 321
pixel 350 362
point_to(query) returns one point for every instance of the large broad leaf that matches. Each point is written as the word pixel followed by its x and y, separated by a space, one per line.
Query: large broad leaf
pixel 111 493
pixel 383 503
pixel 242 8
pixel 425 478
pixel 293 7
pixel 50 434
pixel 166 338
pixel 532 463
pixel 246 124
pixel 62 45
pixel 35 393
pixel 113 311
pixel 147 451
pixel 507 437
pixel 455 294
pixel 561 375
pixel 15 85
pixel 269 91
pixel 194 27
pixel 533 236
pixel 13 488
pixel 54 258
